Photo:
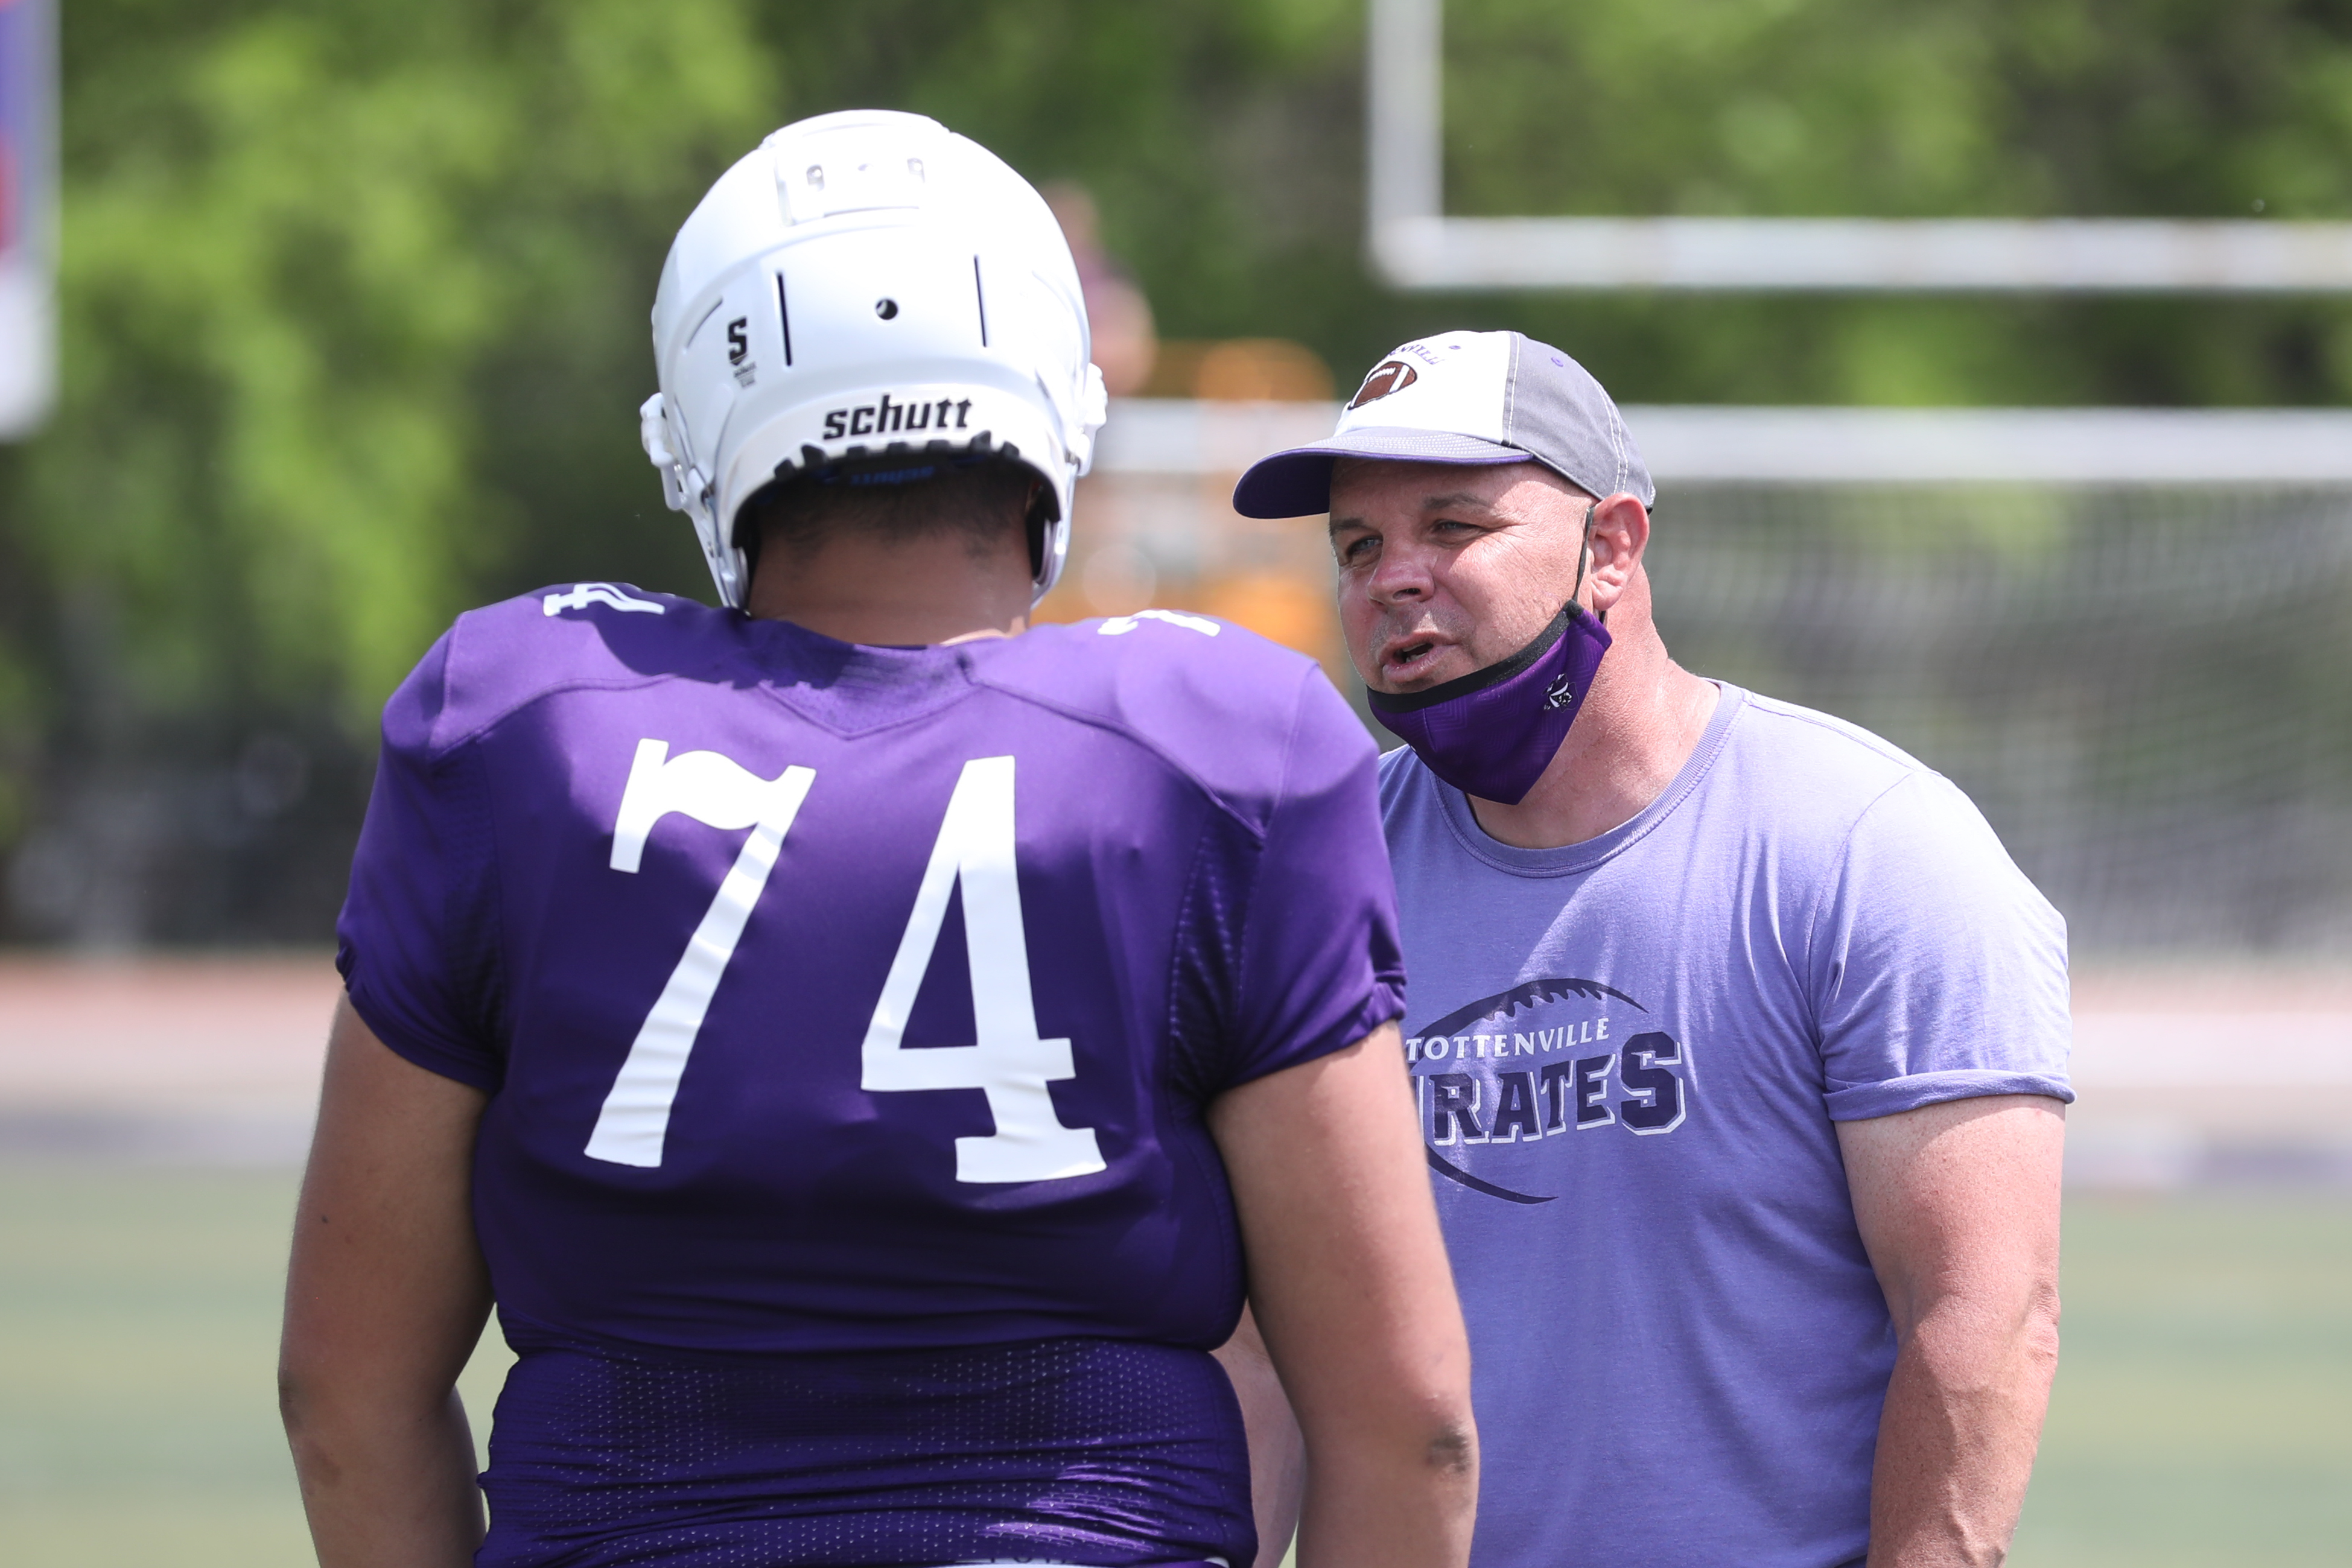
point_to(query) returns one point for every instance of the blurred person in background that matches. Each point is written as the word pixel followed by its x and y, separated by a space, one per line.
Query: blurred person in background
pixel 1741 1051
pixel 863 1045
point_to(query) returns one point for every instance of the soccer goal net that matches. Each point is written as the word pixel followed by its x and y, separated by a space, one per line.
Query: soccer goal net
pixel 2148 690
pixel 2128 637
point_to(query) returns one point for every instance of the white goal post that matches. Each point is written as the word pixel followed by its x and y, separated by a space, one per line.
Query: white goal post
pixel 1415 246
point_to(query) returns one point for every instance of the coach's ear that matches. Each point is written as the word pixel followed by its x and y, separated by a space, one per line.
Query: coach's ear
pixel 1620 532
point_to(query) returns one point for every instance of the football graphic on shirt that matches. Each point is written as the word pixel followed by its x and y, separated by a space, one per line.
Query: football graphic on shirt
pixel 1545 1058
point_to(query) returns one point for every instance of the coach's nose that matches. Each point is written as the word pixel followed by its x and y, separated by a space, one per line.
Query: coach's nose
pixel 1401 576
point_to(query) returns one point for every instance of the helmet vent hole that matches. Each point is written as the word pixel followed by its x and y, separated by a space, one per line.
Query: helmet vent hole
pixel 914 167
pixel 817 176
pixel 886 309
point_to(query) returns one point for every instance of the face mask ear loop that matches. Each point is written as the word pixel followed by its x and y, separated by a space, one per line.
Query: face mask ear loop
pixel 1583 554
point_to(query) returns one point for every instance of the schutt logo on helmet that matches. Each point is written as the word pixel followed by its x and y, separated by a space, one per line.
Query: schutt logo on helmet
pixel 1388 376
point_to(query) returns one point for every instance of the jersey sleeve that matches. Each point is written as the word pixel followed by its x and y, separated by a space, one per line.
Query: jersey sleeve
pixel 416 943
pixel 1938 971
pixel 1321 964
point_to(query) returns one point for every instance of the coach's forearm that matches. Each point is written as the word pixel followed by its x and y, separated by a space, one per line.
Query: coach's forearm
pixel 1962 1420
pixel 386 1485
pixel 1278 1452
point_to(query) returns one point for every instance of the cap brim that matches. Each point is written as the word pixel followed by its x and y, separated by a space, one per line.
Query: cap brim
pixel 1297 483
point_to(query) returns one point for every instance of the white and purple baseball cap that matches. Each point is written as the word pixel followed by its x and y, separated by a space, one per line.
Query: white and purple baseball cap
pixel 1463 397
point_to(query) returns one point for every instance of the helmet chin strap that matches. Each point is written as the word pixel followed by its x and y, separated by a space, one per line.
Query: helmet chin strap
pixel 1036 520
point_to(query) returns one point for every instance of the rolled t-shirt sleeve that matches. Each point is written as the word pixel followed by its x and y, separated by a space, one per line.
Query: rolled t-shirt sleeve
pixel 1938 971
pixel 1321 964
pixel 414 942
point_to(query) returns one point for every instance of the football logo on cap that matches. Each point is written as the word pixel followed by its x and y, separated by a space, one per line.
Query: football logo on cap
pixel 1388 376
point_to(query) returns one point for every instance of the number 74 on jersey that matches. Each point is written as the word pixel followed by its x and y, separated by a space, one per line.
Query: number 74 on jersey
pixel 973 854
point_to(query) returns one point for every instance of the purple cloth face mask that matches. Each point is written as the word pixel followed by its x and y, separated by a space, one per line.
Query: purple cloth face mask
pixel 1492 733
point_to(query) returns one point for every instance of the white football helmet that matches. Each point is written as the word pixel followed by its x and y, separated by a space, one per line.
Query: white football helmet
pixel 867 287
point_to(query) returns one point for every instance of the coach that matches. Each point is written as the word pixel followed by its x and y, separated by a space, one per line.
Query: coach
pixel 1740 1043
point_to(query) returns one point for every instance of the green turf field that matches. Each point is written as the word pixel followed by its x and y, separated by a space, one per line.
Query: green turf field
pixel 138 1345
pixel 2203 1414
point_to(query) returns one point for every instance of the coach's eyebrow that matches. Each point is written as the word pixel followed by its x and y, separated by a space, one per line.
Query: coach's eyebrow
pixel 1454 498
pixel 1428 504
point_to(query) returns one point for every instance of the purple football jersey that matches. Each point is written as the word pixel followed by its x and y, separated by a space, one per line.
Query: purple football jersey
pixel 846 1008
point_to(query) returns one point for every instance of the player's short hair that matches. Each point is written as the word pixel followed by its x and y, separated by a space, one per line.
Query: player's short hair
pixel 980 501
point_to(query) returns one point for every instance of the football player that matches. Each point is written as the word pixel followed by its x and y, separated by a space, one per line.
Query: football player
pixel 867 1048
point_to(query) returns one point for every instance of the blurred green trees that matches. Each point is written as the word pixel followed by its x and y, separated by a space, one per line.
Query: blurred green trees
pixel 323 268
pixel 354 291
pixel 301 243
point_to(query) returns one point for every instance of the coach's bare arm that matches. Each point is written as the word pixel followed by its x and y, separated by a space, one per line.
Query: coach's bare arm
pixel 384 1300
pixel 1958 1203
pixel 1350 1288
pixel 1277 1455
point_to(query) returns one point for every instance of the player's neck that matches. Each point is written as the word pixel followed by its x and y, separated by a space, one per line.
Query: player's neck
pixel 1641 720
pixel 858 588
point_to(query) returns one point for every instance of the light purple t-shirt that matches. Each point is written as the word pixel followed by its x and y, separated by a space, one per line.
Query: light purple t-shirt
pixel 1629 1056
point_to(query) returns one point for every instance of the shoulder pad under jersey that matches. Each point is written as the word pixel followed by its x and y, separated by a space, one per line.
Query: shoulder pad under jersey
pixel 1222 703
pixel 498 658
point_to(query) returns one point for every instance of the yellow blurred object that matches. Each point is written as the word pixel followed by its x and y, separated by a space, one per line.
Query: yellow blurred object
pixel 1262 369
pixel 1173 542
pixel 1241 370
pixel 1284 608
